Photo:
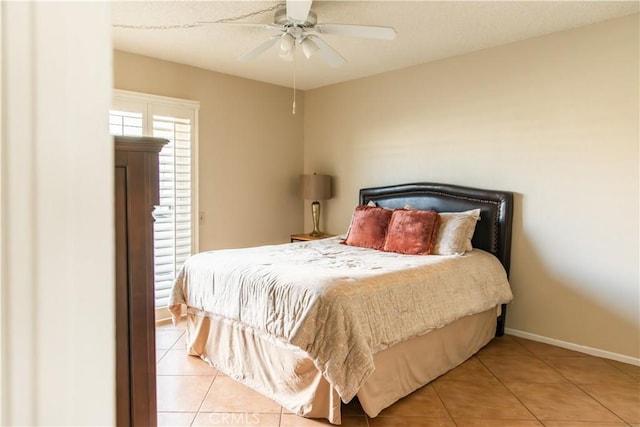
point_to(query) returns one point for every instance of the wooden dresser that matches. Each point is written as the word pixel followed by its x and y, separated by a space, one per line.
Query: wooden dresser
pixel 136 194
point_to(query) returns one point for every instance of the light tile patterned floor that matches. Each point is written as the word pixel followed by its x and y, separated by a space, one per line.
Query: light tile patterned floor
pixel 511 382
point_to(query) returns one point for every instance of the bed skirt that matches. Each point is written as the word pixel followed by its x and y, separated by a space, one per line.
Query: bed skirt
pixel 285 374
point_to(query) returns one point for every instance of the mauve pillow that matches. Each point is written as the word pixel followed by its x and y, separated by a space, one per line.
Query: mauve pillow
pixel 412 232
pixel 368 227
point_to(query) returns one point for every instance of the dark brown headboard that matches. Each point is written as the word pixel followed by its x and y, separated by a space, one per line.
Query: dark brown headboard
pixel 493 231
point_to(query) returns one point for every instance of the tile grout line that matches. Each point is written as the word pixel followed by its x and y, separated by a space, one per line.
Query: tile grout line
pixel 197 412
pixel 507 388
pixel 610 362
pixel 563 376
pixel 583 390
pixel 440 398
pixel 208 390
pixel 204 397
pixel 167 350
pixel 598 401
pixel 366 418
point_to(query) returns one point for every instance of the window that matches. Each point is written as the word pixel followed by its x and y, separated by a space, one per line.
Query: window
pixel 175 227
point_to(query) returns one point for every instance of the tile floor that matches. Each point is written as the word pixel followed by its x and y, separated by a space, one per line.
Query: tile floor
pixel 510 382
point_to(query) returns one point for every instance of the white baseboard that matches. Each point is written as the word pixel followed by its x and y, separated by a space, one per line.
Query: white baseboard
pixel 575 347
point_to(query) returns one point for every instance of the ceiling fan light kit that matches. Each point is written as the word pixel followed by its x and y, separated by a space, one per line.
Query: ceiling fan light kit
pixel 287 42
pixel 309 47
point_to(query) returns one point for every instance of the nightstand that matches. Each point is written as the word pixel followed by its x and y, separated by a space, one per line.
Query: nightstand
pixel 305 237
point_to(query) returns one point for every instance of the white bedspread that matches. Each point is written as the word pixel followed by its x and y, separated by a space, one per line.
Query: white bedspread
pixel 340 304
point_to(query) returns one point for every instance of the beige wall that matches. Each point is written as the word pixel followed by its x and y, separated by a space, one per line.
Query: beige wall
pixel 250 149
pixel 553 119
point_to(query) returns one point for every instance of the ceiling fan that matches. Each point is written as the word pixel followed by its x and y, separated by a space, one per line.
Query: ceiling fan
pixel 298 24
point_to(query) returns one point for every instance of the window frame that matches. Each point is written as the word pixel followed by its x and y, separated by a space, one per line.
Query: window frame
pixel 151 105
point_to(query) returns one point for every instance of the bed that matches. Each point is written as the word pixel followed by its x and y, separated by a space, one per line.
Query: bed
pixel 315 324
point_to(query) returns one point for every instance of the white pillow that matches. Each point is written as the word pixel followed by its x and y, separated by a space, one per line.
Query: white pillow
pixel 455 232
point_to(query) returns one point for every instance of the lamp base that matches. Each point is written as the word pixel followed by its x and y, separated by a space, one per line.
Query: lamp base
pixel 315 213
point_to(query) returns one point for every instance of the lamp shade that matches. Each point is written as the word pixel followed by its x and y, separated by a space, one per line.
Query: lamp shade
pixel 315 187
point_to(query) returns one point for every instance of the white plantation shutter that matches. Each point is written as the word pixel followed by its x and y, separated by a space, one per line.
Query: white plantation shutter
pixel 172 229
pixel 125 123
pixel 175 229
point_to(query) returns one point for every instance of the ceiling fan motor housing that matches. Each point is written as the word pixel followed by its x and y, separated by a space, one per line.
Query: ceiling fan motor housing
pixel 280 18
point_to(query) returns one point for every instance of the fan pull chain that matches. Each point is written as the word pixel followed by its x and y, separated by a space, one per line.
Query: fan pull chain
pixel 295 63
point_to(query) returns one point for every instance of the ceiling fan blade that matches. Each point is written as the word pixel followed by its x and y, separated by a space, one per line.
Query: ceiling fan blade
pixel 363 31
pixel 328 54
pixel 243 24
pixel 261 48
pixel 298 10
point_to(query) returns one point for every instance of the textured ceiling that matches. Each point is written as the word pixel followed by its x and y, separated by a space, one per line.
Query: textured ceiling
pixel 427 31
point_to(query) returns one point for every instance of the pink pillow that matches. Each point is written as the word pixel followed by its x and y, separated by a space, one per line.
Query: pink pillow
pixel 368 227
pixel 412 232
